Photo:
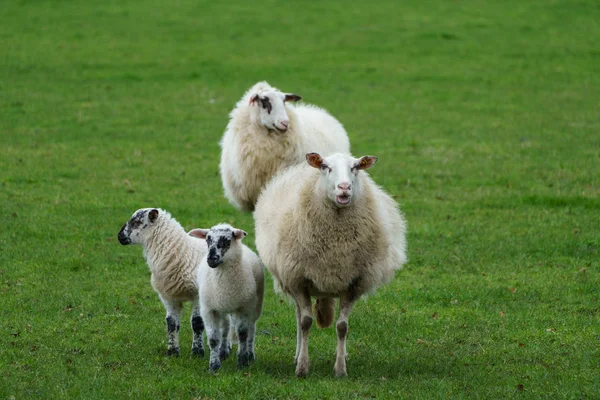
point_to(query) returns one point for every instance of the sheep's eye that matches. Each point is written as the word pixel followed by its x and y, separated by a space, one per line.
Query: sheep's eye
pixel 266 104
pixel 324 167
pixel 208 241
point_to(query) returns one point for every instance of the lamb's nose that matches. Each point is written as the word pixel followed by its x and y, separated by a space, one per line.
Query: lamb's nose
pixel 285 124
pixel 344 186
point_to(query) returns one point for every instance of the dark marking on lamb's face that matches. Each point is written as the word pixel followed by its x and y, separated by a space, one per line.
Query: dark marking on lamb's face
pixel 266 104
pixel 218 242
pixel 130 232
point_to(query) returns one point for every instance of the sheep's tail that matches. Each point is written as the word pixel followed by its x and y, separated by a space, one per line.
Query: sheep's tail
pixel 325 311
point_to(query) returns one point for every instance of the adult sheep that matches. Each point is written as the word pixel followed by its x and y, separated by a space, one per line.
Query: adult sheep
pixel 326 230
pixel 266 134
pixel 173 257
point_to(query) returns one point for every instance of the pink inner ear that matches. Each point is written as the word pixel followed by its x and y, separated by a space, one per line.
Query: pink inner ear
pixel 314 160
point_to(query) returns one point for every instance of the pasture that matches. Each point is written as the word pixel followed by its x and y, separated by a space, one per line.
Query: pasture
pixel 485 118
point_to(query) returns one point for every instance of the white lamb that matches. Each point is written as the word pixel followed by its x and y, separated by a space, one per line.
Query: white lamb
pixel 172 256
pixel 235 288
pixel 326 230
pixel 266 134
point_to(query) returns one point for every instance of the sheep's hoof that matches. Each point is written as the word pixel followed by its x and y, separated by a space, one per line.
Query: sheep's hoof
pixel 224 354
pixel 251 356
pixel 340 374
pixel 214 367
pixel 198 351
pixel 243 360
pixel 302 371
pixel 173 351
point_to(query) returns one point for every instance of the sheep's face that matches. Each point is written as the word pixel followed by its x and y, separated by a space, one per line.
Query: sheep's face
pixel 271 109
pixel 136 229
pixel 222 241
pixel 339 175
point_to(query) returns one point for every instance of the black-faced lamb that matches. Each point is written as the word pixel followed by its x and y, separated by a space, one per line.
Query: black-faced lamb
pixel 172 256
pixel 231 283
pixel 266 134
pixel 326 230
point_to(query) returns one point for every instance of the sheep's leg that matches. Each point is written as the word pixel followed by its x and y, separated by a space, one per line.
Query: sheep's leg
pixel 242 331
pixel 303 305
pixel 298 333
pixel 173 313
pixel 342 332
pixel 251 336
pixel 197 328
pixel 225 348
pixel 213 331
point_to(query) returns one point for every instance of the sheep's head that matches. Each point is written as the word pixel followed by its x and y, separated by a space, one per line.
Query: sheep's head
pixel 223 242
pixel 339 175
pixel 271 108
pixel 137 228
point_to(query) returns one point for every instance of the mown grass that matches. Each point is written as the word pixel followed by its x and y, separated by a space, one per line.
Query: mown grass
pixel 484 116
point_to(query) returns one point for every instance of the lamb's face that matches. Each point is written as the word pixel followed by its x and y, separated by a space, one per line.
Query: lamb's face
pixel 136 229
pixel 222 241
pixel 339 175
pixel 271 108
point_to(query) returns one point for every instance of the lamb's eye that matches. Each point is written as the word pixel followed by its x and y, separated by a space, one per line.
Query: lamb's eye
pixel 324 167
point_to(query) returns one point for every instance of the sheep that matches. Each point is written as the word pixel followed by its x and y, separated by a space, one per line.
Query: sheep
pixel 326 230
pixel 235 288
pixel 172 256
pixel 266 134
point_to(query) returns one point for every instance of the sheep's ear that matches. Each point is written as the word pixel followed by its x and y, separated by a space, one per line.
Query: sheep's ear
pixel 314 160
pixel 239 234
pixel 292 97
pixel 253 99
pixel 152 215
pixel 198 233
pixel 365 162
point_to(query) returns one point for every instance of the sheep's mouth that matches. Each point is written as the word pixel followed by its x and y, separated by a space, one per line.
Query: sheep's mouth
pixel 279 130
pixel 343 200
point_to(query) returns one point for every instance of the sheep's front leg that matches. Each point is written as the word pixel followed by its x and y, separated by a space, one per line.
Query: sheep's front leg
pixel 241 325
pixel 251 337
pixel 198 329
pixel 213 323
pixel 173 313
pixel 305 320
pixel 342 332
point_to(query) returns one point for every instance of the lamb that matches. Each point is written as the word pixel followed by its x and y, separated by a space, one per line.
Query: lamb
pixel 172 256
pixel 328 232
pixel 231 282
pixel 266 134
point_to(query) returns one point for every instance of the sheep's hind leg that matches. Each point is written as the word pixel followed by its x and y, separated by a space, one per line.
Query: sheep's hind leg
pixel 298 333
pixel 198 329
pixel 225 348
pixel 305 320
pixel 342 332
pixel 173 313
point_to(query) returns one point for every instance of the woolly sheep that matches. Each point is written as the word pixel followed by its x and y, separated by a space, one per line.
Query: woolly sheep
pixel 172 256
pixel 231 282
pixel 266 134
pixel 326 230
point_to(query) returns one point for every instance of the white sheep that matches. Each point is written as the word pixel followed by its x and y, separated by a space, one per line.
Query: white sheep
pixel 326 230
pixel 266 134
pixel 231 283
pixel 172 256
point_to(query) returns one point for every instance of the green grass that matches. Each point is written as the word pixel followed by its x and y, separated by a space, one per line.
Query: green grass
pixel 486 120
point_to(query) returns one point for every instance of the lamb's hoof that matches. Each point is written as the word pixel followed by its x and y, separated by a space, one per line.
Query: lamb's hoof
pixel 198 351
pixel 224 354
pixel 173 351
pixel 340 374
pixel 301 371
pixel 243 360
pixel 214 367
pixel 251 357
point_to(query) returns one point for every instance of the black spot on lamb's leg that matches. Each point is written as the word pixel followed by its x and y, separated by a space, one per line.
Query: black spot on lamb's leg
pixel 173 332
pixel 215 362
pixel 197 328
pixel 243 359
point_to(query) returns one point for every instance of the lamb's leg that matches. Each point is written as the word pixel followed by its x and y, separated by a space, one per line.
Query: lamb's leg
pixel 298 333
pixel 213 331
pixel 251 336
pixel 303 304
pixel 225 348
pixel 173 312
pixel 241 324
pixel 198 329
pixel 342 332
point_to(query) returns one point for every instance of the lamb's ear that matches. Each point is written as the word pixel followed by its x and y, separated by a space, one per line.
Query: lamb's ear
pixel 239 234
pixel 365 162
pixel 253 99
pixel 199 233
pixel 291 97
pixel 152 215
pixel 314 160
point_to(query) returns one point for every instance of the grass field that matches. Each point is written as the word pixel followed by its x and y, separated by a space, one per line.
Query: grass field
pixel 486 120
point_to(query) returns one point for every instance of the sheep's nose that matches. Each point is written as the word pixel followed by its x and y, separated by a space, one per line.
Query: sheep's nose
pixel 344 186
pixel 285 124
